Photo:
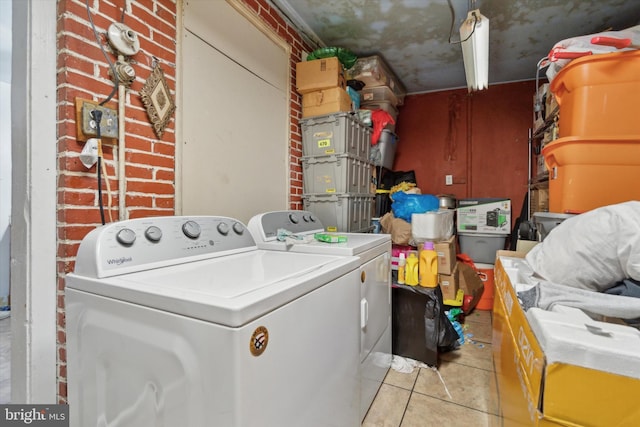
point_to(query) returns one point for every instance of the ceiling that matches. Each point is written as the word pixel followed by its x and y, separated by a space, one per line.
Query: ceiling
pixel 413 35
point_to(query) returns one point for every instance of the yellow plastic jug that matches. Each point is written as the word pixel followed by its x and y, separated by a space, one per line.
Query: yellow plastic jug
pixel 428 266
pixel 411 276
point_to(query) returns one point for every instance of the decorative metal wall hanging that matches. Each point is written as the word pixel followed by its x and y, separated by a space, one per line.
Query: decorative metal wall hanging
pixel 157 99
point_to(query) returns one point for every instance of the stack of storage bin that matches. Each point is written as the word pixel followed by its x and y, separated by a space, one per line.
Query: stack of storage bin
pixel 596 160
pixel 382 91
pixel 336 171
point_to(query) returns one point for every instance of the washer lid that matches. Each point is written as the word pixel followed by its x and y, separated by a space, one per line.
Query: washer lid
pixel 356 244
pixel 231 290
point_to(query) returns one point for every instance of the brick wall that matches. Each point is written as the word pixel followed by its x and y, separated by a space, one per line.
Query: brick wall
pixel 150 162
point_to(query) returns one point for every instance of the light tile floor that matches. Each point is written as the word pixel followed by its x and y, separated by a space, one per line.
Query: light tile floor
pixel 420 399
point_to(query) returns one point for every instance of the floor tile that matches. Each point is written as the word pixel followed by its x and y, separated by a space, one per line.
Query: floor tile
pixel 477 331
pixel 388 407
pixel 467 386
pixel 402 380
pixel 425 411
pixel 471 353
pixel 479 316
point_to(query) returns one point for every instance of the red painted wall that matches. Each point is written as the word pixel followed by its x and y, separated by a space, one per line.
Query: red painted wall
pixel 480 138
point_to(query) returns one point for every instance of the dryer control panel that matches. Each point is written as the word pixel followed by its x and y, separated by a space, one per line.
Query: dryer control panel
pixel 267 224
pixel 145 243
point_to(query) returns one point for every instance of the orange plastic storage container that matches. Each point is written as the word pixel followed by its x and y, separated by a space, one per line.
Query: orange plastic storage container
pixel 586 173
pixel 598 95
pixel 485 271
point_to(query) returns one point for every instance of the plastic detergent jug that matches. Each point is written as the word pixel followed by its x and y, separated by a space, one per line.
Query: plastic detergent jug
pixel 402 262
pixel 411 270
pixel 428 266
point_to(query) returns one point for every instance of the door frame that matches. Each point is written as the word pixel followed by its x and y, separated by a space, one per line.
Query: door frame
pixel 34 281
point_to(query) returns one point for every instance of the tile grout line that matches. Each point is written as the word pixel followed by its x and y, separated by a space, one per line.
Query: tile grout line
pixel 406 406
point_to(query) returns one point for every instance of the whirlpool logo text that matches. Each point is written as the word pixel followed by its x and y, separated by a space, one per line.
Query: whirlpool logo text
pixel 119 261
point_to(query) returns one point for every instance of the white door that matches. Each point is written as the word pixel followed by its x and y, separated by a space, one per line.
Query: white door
pixel 233 156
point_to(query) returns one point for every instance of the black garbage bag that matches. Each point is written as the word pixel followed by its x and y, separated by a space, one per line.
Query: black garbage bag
pixel 420 328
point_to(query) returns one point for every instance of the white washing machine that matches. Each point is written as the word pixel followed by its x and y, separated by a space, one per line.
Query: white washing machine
pixel 183 321
pixel 374 253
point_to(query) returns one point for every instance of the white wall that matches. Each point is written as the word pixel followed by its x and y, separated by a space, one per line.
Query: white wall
pixel 5 149
pixel 234 151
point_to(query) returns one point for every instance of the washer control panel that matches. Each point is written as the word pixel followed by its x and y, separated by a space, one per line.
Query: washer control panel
pixel 140 244
pixel 299 222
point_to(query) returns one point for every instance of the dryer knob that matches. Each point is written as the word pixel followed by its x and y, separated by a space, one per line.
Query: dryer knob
pixel 191 229
pixel 293 218
pixel 305 218
pixel 238 228
pixel 126 237
pixel 223 228
pixel 312 218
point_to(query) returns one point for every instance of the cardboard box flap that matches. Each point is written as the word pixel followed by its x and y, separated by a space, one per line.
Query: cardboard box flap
pixel 470 283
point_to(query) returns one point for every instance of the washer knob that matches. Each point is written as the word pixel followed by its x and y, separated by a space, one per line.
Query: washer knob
pixel 191 229
pixel 293 218
pixel 126 237
pixel 153 234
pixel 223 228
pixel 238 228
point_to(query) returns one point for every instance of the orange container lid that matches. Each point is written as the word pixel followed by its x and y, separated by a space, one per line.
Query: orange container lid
pixel 617 150
pixel 603 69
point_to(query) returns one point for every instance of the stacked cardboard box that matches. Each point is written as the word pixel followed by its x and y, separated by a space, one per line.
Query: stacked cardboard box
pixel 322 84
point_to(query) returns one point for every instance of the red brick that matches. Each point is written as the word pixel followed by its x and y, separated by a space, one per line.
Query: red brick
pixel 165 202
pixel 146 213
pixel 165 175
pixel 74 232
pixel 150 187
pixel 151 159
pixel 140 172
pixel 139 201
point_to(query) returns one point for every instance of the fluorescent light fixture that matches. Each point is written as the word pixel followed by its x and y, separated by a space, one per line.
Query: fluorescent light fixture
pixel 474 34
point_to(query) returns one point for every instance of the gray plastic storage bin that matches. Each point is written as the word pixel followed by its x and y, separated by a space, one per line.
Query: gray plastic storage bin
pixel 341 212
pixel 335 174
pixel 384 152
pixel 481 247
pixel 335 134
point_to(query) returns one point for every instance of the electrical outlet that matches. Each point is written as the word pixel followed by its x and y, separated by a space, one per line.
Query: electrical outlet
pixel 88 127
pixel 448 179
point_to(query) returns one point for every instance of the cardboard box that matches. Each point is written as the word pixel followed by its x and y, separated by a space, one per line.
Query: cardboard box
pixel 470 283
pixel 449 284
pixel 446 251
pixel 319 74
pixel 327 101
pixel 539 200
pixel 489 215
pixel 534 388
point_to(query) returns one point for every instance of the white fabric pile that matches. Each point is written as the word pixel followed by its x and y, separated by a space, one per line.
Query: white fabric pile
pixel 593 250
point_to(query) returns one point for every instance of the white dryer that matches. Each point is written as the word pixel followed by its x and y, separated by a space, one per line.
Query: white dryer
pixel 183 321
pixel 374 253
